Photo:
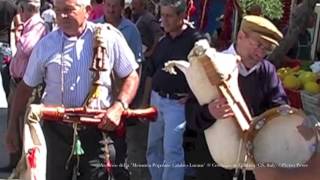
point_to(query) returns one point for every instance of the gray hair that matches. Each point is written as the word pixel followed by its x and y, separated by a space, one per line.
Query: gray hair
pixel 179 5
pixel 80 2
pixel 29 7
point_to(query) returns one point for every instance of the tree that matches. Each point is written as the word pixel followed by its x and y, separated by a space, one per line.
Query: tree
pixel 272 9
pixel 297 24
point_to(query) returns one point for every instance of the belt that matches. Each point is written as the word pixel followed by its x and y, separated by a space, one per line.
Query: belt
pixel 174 96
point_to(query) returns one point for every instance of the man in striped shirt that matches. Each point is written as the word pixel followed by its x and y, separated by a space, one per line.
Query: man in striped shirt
pixel 62 60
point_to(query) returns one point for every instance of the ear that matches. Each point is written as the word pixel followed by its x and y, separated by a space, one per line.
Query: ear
pixel 240 35
pixel 88 8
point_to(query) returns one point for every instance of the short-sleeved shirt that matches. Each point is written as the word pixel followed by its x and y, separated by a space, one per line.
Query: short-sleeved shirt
pixel 168 49
pixel 7 12
pixel 63 63
pixel 131 34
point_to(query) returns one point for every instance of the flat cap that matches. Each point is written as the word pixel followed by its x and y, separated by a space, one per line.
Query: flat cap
pixel 263 27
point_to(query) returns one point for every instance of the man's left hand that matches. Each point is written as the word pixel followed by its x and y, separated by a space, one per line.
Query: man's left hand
pixel 111 119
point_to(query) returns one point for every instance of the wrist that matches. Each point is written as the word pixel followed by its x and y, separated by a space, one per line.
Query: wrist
pixel 123 104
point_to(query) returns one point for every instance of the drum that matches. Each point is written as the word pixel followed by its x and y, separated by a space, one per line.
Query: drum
pixel 282 136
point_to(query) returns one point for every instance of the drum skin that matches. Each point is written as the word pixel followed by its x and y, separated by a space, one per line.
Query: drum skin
pixel 280 143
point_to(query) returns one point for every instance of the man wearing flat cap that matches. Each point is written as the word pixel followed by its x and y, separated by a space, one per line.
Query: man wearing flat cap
pixel 258 83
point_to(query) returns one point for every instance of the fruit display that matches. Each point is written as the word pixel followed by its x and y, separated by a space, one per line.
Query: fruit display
pixel 302 87
pixel 299 79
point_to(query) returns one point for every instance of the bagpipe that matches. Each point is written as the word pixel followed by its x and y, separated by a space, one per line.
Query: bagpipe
pixel 282 136
pixel 32 165
pixel 87 116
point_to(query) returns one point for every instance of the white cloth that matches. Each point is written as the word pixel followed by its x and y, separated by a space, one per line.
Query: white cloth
pixel 242 69
pixel 3 98
pixel 48 15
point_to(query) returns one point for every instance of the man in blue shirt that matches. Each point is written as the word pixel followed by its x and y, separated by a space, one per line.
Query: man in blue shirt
pixel 112 15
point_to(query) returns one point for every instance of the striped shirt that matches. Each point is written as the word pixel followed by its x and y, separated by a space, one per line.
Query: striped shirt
pixel 58 59
pixel 33 30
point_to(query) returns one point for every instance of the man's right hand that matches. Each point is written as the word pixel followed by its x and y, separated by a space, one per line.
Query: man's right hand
pixel 220 109
pixel 12 140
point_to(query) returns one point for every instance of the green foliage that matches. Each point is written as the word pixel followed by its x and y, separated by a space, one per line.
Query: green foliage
pixel 272 9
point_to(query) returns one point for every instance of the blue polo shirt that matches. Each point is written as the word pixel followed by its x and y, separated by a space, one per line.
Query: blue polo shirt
pixel 131 34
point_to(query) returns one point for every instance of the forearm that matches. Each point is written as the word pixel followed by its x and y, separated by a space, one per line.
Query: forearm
pixel 198 117
pixel 19 102
pixel 129 87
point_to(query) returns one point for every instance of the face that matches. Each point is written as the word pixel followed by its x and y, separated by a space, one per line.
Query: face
pixel 112 10
pixel 170 20
pixel 23 14
pixel 137 6
pixel 71 16
pixel 252 48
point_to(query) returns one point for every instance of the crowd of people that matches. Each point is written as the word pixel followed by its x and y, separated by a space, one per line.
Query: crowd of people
pixel 46 55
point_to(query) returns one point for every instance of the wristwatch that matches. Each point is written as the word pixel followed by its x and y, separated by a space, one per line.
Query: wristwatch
pixel 123 104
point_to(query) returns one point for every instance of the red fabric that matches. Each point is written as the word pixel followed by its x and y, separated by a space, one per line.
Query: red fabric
pixel 108 165
pixel 96 12
pixel 203 18
pixel 191 9
pixel 31 156
pixel 121 130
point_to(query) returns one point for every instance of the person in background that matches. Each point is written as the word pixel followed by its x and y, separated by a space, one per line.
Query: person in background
pixel 165 153
pixel 97 10
pixel 10 24
pixel 150 31
pixel 8 14
pixel 49 17
pixel 113 10
pixel 302 48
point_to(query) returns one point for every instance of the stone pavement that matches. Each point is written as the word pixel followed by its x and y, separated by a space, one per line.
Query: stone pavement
pixel 3 153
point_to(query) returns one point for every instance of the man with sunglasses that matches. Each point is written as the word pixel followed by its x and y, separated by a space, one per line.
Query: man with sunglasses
pixel 258 83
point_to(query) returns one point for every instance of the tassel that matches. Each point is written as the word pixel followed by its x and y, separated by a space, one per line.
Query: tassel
pixel 78 149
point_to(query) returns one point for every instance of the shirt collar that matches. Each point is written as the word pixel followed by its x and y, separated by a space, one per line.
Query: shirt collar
pixel 75 38
pixel 242 69
pixel 31 22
